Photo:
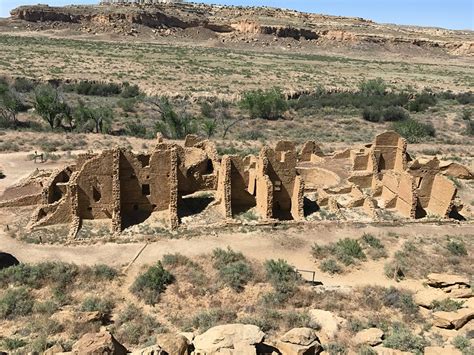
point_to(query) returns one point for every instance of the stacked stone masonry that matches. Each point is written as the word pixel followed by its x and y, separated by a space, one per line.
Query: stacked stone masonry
pixel 128 188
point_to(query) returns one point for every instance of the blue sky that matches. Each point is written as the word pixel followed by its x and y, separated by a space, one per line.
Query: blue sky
pixel 455 14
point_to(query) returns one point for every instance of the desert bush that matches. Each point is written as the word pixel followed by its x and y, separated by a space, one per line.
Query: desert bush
pixel 456 247
pixel 414 131
pixel 129 90
pixel 136 129
pixel 372 114
pixel 330 266
pixel 373 87
pixel 97 304
pixel 335 349
pixel 93 88
pixel 204 320
pixel 465 98
pixel 401 338
pixel 296 319
pixel 23 85
pixel 422 101
pixel 280 272
pixel 133 326
pixel 372 241
pixel 39 275
pixel 10 106
pixel 366 350
pixel 269 104
pixel 446 305
pixel 401 300
pixel 209 127
pixel 15 303
pixel 234 269
pixel 47 307
pixel 149 285
pixel 394 114
pixel 102 272
pixel 462 343
pixel 345 250
pixel 127 104
pixel 13 343
pixel 175 260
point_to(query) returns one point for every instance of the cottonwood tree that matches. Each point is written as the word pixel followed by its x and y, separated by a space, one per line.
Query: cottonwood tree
pixel 99 118
pixel 51 107
pixel 176 124
pixel 10 105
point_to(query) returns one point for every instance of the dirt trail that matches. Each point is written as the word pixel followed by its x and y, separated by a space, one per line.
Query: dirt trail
pixel 291 245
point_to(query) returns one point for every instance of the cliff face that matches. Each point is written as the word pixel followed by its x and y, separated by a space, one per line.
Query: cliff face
pixel 248 22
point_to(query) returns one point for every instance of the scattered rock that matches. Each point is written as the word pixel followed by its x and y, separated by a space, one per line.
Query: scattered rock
pixel 445 280
pixel 454 320
pixel 372 337
pixel 438 350
pixel 98 344
pixel 173 344
pixel 299 341
pixel 227 337
pixel 328 321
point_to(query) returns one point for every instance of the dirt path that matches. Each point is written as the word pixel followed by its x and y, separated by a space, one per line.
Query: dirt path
pixel 291 245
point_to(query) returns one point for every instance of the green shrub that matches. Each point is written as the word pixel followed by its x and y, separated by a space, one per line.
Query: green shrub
pixel 173 123
pixel 457 248
pixel 130 90
pixel 136 129
pixel 372 114
pixel 236 275
pixel 93 88
pixel 466 114
pixel 422 102
pixel 39 275
pixel 295 319
pixel 175 260
pixel 15 303
pixel 234 270
pixel 446 305
pixel 251 135
pixel 463 343
pixel 269 104
pixel 212 317
pixel 394 114
pixel 372 241
pixel 127 104
pixel 47 307
pixel 414 131
pixel 223 257
pixel 280 272
pixel 149 285
pixel 102 272
pixel 13 343
pixel 403 339
pixel 401 300
pixel 346 250
pixel 23 85
pixel 366 350
pixel 335 349
pixel 330 266
pixel 373 87
pixel 98 304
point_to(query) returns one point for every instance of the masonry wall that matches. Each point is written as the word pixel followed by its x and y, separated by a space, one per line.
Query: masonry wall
pixel 442 195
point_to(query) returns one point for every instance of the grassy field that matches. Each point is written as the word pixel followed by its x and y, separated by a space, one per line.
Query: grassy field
pixel 181 69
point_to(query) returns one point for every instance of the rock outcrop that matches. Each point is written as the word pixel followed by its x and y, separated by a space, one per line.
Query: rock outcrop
pixel 98 344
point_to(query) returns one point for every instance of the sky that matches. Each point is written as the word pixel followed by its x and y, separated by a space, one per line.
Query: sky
pixel 453 14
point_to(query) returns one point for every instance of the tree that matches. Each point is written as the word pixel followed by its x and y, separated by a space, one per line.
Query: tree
pixel 99 118
pixel 10 104
pixel 173 124
pixel 269 104
pixel 51 107
pixel 209 127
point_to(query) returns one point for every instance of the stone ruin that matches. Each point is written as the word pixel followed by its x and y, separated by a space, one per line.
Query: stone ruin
pixel 279 184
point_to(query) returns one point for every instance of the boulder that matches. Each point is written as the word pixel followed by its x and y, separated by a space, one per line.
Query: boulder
pixel 328 322
pixel 227 337
pixel 461 293
pixel 299 341
pixel 173 344
pixel 7 260
pixel 438 350
pixel 371 336
pixel 98 344
pixel 425 297
pixel 55 349
pixel 445 280
pixel 456 170
pixel 454 320
pixel 151 350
